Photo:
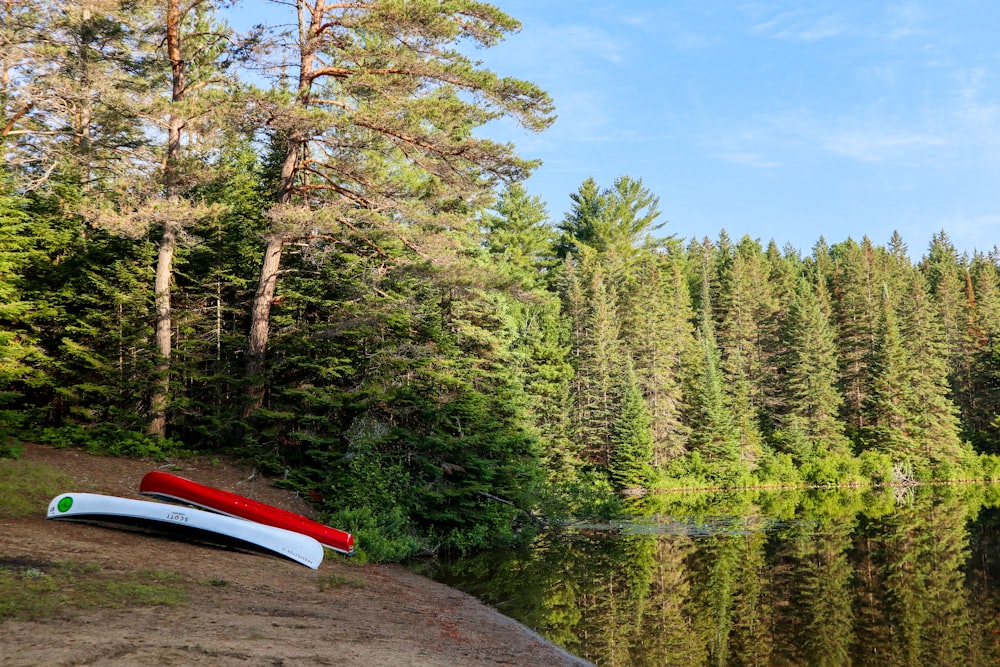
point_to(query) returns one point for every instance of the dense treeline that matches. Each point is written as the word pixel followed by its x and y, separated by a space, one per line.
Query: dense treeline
pixel 758 364
pixel 291 246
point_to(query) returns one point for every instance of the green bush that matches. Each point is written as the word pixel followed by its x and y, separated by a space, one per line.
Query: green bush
pixel 876 466
pixel 832 470
pixel 990 466
pixel 779 469
pixel 385 536
pixel 970 465
pixel 946 471
pixel 684 472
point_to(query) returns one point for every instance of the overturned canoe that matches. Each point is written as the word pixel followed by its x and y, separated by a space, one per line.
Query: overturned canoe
pixel 186 523
pixel 165 486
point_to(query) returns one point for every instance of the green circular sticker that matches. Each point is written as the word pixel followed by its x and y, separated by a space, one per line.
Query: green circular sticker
pixel 65 504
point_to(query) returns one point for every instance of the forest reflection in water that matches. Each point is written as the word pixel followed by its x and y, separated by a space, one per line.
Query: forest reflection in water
pixel 835 577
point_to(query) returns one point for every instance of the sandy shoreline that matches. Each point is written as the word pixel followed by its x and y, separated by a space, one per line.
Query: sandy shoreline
pixel 246 608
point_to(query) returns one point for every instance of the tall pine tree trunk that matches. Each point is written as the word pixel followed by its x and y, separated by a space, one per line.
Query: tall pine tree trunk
pixel 260 323
pixel 260 312
pixel 168 242
pixel 158 401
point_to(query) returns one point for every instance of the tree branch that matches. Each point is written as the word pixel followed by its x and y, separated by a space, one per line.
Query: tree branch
pixel 16 117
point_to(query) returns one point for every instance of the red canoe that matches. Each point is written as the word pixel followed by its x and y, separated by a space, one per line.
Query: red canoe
pixel 173 488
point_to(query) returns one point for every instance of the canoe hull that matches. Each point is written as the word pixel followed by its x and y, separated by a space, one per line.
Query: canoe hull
pixel 186 523
pixel 166 486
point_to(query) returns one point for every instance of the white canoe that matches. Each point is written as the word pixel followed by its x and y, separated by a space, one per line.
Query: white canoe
pixel 186 523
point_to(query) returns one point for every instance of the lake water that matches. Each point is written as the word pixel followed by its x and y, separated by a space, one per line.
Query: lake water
pixel 883 577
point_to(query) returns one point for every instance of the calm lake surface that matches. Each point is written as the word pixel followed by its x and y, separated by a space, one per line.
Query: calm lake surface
pixel 877 577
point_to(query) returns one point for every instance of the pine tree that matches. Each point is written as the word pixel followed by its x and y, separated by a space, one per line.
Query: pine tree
pixel 747 310
pixel 945 275
pixel 197 50
pixel 517 235
pixel 616 222
pixel 379 151
pixel 517 231
pixel 96 90
pixel 657 329
pixel 210 284
pixel 933 415
pixel 985 331
pixel 542 348
pixel 891 396
pixel 631 438
pixel 20 355
pixel 810 424
pixel 597 359
pixel 20 24
pixel 92 320
pixel 856 292
pixel 714 435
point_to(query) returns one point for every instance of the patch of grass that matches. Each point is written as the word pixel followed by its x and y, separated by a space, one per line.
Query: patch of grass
pixel 333 581
pixel 10 447
pixel 33 590
pixel 26 488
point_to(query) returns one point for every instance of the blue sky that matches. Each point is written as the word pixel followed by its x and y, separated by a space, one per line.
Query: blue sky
pixel 783 120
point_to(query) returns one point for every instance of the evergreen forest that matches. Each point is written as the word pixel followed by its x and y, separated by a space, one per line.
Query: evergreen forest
pixel 297 244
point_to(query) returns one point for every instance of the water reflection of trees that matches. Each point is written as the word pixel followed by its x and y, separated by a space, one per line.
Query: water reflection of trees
pixel 915 605
pixel 837 579
pixel 811 589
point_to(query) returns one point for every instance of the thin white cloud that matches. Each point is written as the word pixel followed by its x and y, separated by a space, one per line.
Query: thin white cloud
pixel 803 27
pixel 971 109
pixel 554 49
pixel 906 20
pixel 898 21
pixel 585 43
pixel 662 25
pixel 879 145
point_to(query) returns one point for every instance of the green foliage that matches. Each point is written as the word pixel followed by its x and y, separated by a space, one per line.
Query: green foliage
pixel 779 468
pixel 109 440
pixel 689 471
pixel 832 470
pixel 809 423
pixel 413 406
pixel 714 433
pixel 876 466
pixel 632 439
pixel 380 535
pixel 613 221
pixel 10 447
pixel 990 466
pixel 517 233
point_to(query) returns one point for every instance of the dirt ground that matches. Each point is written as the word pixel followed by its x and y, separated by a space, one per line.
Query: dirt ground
pixel 261 610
